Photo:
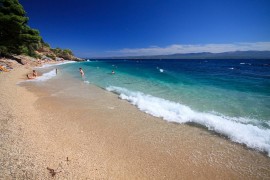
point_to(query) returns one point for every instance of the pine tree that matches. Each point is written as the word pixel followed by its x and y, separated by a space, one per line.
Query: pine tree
pixel 16 36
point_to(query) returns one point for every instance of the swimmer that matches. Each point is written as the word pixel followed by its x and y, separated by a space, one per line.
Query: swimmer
pixel 81 71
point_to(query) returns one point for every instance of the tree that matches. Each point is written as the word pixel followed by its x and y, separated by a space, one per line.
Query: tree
pixel 15 35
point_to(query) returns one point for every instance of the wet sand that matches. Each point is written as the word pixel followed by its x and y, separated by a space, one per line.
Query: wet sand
pixel 107 138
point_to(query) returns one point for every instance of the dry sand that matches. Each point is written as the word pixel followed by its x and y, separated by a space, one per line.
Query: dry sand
pixel 107 138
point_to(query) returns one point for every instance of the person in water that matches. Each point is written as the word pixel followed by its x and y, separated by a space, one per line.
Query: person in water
pixel 81 71
pixel 113 72
pixel 33 76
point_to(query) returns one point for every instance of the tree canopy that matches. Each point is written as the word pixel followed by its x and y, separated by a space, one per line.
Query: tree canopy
pixel 16 37
pixel 64 53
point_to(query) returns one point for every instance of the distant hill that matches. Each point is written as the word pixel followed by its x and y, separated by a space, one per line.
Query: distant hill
pixel 205 55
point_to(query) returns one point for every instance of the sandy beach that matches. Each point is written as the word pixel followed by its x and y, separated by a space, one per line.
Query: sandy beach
pixel 46 130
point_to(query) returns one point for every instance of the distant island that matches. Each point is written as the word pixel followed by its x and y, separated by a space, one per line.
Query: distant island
pixel 203 55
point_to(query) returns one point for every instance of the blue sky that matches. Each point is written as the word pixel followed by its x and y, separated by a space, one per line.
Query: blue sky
pixel 144 27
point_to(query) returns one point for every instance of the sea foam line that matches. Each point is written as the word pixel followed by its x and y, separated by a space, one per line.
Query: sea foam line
pixel 250 135
pixel 48 75
pixel 43 77
pixel 56 64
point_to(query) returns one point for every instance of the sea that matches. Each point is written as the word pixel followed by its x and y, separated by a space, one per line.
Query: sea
pixel 228 97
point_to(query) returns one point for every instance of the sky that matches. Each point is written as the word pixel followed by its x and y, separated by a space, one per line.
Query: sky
pixel 102 28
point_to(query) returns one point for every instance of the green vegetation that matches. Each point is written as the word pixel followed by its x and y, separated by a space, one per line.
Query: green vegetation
pixel 16 37
pixel 63 53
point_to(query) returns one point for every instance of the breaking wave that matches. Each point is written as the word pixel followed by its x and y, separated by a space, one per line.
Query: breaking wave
pixel 234 128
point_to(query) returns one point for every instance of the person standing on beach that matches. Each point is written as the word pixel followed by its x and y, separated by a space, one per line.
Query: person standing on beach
pixel 81 71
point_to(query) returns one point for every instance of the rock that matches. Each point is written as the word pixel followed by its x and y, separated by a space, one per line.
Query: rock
pixel 27 60
pixel 8 63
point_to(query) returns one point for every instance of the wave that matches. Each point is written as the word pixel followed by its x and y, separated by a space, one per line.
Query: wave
pixel 232 127
pixel 56 64
pixel 43 77
pixel 245 63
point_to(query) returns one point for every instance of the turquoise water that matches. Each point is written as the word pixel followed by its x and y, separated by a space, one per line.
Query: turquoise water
pixel 231 97
pixel 230 88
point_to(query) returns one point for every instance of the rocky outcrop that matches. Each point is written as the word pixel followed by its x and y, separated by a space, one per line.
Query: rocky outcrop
pixel 6 63
pixel 76 59
pixel 70 57
pixel 44 54
pixel 18 60
pixel 27 60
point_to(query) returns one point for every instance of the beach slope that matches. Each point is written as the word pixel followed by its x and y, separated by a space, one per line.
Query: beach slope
pixel 103 137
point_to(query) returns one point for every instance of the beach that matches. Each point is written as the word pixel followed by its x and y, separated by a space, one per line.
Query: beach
pixel 48 131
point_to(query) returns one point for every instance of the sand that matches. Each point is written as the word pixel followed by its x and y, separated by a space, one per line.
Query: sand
pixel 102 137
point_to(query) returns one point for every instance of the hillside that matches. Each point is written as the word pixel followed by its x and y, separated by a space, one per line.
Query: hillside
pixel 20 44
pixel 205 55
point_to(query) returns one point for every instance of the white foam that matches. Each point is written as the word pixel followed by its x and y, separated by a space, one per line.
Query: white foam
pixel 56 64
pixel 250 135
pixel 246 63
pixel 43 77
pixel 160 70
pixel 231 68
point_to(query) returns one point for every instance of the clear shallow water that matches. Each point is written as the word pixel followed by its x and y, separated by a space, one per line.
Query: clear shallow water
pixel 231 97
pixel 204 85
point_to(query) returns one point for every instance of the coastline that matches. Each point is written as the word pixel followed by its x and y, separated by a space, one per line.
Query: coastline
pixel 105 137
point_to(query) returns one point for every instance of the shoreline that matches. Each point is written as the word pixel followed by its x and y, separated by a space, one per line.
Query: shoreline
pixel 109 138
pixel 17 114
